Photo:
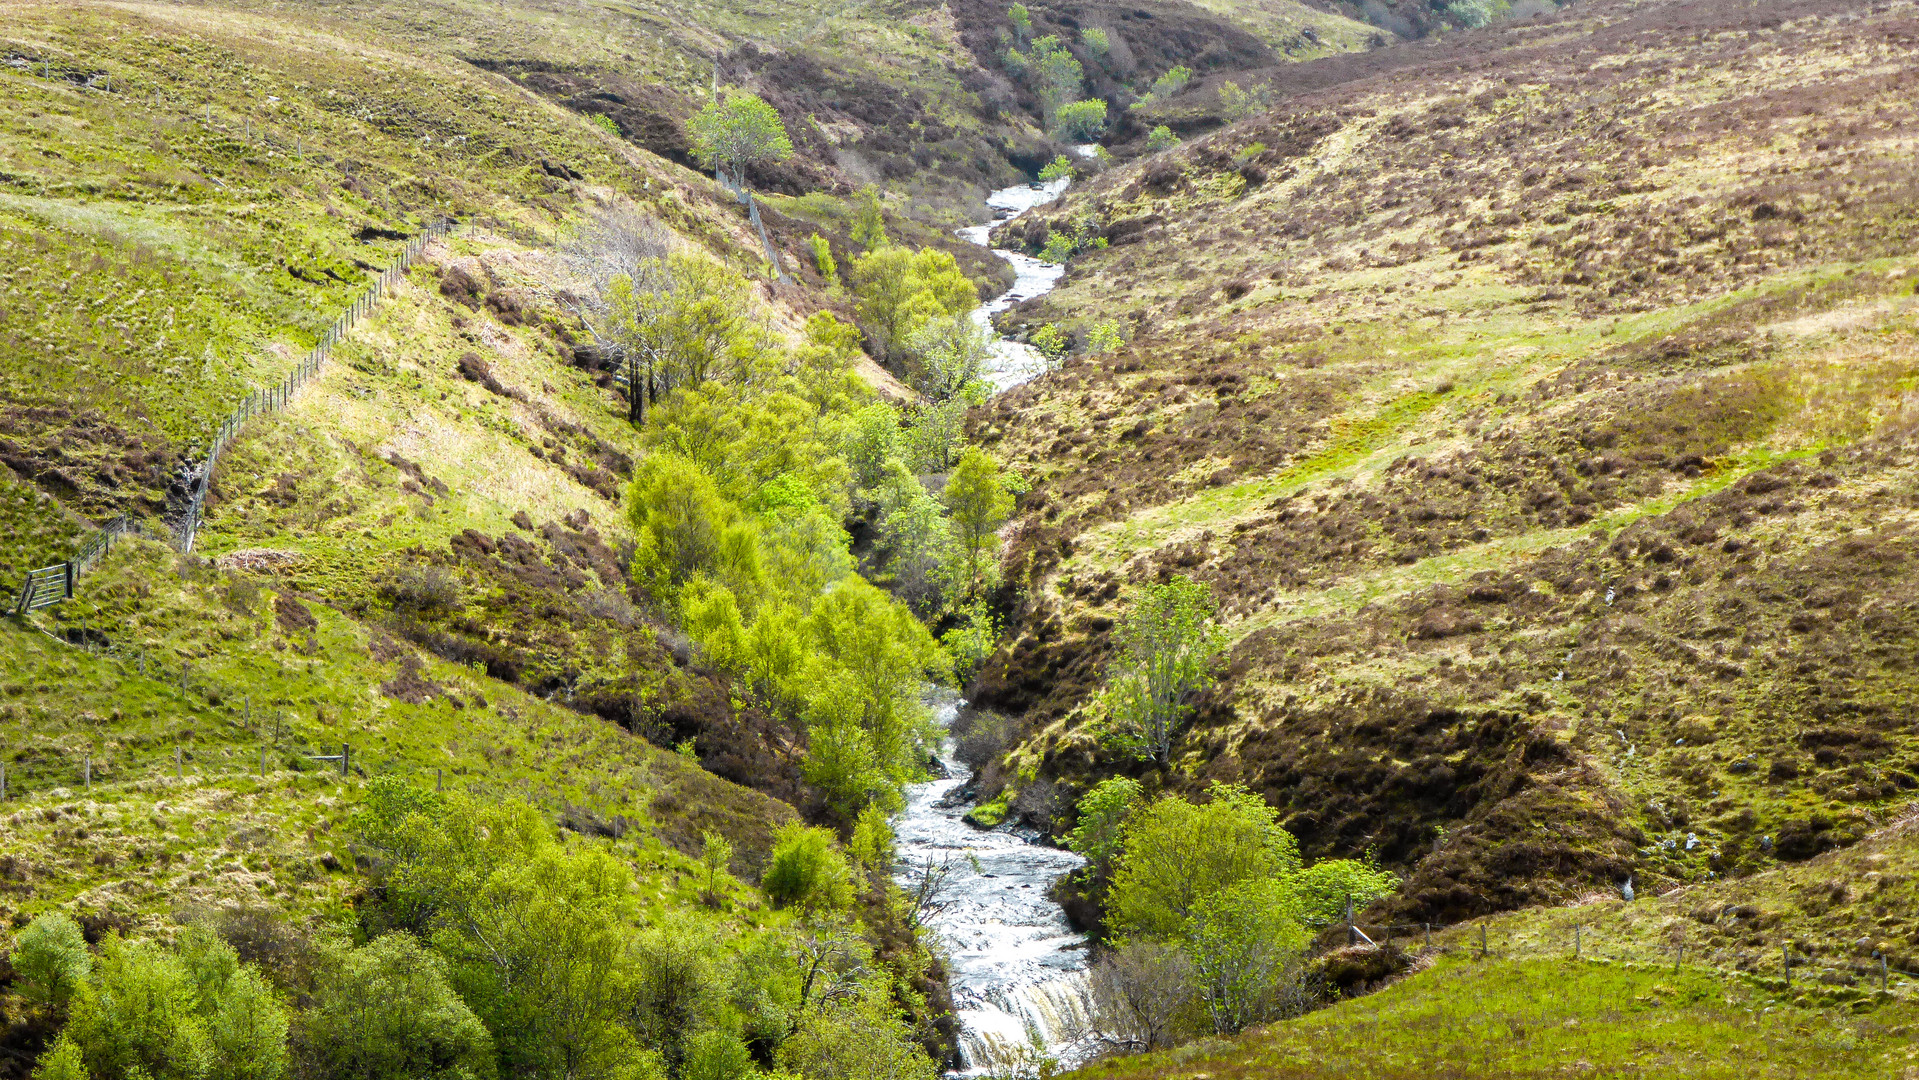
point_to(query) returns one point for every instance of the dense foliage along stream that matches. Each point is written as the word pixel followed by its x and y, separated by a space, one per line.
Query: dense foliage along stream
pixel 1018 970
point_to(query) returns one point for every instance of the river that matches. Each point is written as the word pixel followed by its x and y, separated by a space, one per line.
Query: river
pixel 1014 362
pixel 1017 969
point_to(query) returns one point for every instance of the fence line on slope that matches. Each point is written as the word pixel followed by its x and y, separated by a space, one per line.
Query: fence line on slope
pixel 275 397
pixel 53 584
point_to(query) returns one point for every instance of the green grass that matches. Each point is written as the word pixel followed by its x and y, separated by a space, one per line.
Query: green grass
pixel 252 684
pixel 1547 1018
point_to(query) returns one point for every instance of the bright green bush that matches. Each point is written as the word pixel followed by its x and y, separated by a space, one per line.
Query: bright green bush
pixel 50 960
pixel 1177 853
pixel 386 1011
pixel 823 258
pixel 807 871
pixel 1080 121
pixel 1103 814
pixel 1161 138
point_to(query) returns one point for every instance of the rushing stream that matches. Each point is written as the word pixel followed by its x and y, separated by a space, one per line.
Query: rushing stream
pixel 1014 362
pixel 1018 971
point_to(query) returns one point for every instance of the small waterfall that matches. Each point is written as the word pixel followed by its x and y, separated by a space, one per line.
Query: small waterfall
pixel 1004 1025
pixel 1017 969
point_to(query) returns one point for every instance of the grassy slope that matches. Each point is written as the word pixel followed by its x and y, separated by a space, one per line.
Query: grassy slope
pixel 1284 24
pixel 1540 1018
pixel 258 676
pixel 1483 333
pixel 178 234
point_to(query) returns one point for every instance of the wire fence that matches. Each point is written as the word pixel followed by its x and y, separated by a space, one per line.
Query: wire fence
pixel 281 748
pixel 274 398
pixel 54 584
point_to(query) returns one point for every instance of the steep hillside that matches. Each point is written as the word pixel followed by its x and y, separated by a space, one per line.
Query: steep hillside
pixel 1536 403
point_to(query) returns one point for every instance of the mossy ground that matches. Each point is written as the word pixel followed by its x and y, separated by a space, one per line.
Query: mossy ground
pixel 1534 1018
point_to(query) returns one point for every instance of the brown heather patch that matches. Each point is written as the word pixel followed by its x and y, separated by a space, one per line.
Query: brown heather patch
pixel 1613 302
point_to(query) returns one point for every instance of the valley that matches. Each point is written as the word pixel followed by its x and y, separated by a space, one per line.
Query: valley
pixel 894 539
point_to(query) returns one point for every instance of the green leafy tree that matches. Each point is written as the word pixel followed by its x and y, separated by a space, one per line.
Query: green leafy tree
pixel 1022 21
pixel 50 960
pixel 807 871
pixel 1161 138
pixel 980 503
pixel 971 640
pixel 1177 853
pixel 823 258
pixel 1172 82
pixel 716 852
pixel 1056 74
pixel 715 1054
pixel 1070 237
pixel 874 438
pixel 1236 103
pixel 178 1015
pixel 64 1062
pixel 1061 165
pixel 917 539
pixel 856 1037
pixel 1168 640
pixel 1080 121
pixel 1103 814
pixel 1051 342
pixel 866 657
pixel 947 353
pixel 1105 336
pixel 1095 40
pixel 386 1011
pixel 869 220
pixel 738 132
pixel 901 290
pixel 1240 942
pixel 683 525
pixel 937 433
pixel 1476 13
pixel 678 987
pixel 678 321
pixel 1323 889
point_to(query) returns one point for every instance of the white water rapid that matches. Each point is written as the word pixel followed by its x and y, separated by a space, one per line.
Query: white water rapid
pixel 1017 970
pixel 1014 362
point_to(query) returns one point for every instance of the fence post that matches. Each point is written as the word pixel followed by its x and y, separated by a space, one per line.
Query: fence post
pixel 1429 935
pixel 89 772
pixel 263 762
pixel 3 781
pixel 70 576
pixel 1351 931
pixel 346 757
